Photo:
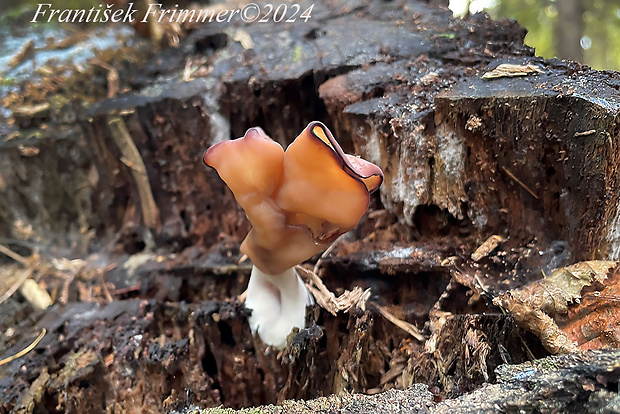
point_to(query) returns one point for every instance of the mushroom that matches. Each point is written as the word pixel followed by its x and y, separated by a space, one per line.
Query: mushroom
pixel 298 202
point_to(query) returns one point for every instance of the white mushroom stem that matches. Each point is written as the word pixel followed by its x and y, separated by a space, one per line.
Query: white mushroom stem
pixel 278 304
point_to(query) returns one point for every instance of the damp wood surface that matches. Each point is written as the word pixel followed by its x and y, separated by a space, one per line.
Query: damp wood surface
pixel 501 173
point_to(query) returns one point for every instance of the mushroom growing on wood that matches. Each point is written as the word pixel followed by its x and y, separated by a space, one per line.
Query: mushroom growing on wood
pixel 298 202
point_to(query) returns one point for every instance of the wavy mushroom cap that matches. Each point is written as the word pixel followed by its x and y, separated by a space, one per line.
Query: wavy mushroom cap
pixel 250 166
pixel 298 200
pixel 322 187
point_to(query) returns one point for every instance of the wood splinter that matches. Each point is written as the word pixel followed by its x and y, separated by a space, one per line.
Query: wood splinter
pixel 131 155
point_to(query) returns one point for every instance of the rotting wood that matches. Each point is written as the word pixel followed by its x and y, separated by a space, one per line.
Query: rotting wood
pixel 403 98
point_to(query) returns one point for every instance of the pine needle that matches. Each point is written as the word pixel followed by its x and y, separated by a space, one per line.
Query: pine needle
pixel 25 350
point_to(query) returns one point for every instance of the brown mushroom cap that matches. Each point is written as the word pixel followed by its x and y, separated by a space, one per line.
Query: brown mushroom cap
pixel 298 200
pixel 251 166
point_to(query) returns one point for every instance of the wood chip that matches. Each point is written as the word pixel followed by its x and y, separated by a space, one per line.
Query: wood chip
pixel 37 296
pixel 28 150
pixel 244 38
pixel 32 110
pixel 584 133
pixel 394 372
pixel 487 247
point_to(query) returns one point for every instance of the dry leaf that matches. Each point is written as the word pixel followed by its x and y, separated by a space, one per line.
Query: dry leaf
pixel 594 323
pixel 510 70
pixel 584 299
pixel 537 322
pixel 555 292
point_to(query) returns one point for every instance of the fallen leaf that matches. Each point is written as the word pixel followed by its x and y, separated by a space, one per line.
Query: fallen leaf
pixel 555 292
pixel 537 322
pixel 511 70
pixel 575 307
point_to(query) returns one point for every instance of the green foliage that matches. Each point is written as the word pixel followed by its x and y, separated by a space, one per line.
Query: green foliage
pixel 601 19
pixel 537 16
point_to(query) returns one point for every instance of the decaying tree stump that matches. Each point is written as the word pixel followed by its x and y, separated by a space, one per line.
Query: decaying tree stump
pixel 476 136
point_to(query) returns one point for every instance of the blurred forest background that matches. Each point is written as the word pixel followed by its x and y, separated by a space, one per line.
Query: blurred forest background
pixel 587 31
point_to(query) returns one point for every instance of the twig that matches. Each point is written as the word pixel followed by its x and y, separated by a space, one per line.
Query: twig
pixel 521 183
pixel 584 133
pixel 26 273
pixel 25 52
pixel 326 298
pixel 327 252
pixel 242 259
pixel 128 149
pixel 38 298
pixel 25 350
pixel 405 326
pixel 112 77
pixel 13 255
pixel 16 285
pixel 104 287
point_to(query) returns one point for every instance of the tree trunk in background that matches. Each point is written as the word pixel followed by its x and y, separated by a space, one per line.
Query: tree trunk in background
pixel 569 30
